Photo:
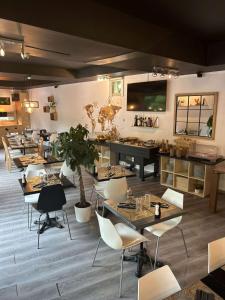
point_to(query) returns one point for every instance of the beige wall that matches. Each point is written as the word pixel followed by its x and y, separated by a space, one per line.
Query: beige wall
pixel 72 98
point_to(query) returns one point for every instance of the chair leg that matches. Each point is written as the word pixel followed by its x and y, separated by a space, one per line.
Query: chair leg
pixel 121 273
pixel 39 225
pixel 185 246
pixel 31 210
pixel 96 252
pixel 156 252
pixel 28 215
pixel 67 224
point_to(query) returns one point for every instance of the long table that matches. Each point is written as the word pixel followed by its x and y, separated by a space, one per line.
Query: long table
pixel 142 155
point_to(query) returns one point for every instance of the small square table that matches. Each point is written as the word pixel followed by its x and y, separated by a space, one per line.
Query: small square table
pixel 139 220
pixel 25 160
pixel 115 172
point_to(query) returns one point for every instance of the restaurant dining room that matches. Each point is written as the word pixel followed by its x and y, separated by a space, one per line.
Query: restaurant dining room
pixel 112 150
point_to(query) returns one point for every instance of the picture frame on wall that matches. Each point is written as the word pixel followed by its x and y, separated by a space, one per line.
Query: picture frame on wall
pixel 4 100
pixel 46 109
pixel 116 87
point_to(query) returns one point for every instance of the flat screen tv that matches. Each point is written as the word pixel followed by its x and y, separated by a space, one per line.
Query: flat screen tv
pixel 147 96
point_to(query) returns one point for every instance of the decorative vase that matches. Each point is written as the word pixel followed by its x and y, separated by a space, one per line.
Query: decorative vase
pixel 83 215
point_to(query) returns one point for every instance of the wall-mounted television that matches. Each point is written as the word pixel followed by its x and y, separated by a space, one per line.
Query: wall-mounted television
pixel 147 96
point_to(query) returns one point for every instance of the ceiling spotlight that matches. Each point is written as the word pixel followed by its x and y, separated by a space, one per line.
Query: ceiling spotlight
pixel 29 77
pixel 2 50
pixel 170 76
pixel 23 54
pixel 154 72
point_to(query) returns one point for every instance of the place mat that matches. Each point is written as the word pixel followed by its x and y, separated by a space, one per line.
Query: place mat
pixel 189 292
pixel 115 171
pixel 133 215
pixel 52 180
pixel 31 159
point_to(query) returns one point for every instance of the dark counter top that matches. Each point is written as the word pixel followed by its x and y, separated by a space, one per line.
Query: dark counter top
pixel 199 160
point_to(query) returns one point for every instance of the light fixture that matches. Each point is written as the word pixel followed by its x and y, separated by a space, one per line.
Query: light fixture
pixel 103 77
pixel 23 54
pixel 154 72
pixel 28 104
pixel 2 50
pixel 165 71
pixel 13 41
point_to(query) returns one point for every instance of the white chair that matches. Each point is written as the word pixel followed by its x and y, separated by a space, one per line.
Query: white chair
pixel 115 189
pixel 32 171
pixel 53 137
pixel 67 171
pixel 158 285
pixel 118 237
pixel 216 254
pixel 159 229
pixel 35 136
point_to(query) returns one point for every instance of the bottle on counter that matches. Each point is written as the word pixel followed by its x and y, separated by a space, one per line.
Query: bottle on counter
pixel 24 180
pixel 136 120
pixel 157 210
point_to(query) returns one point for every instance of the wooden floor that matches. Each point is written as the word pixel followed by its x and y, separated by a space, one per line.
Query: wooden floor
pixel 61 269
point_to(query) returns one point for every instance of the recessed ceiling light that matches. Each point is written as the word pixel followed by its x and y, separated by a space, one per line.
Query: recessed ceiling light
pixel 29 77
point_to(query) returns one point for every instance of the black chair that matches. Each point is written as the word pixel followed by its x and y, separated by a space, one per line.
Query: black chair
pixel 51 199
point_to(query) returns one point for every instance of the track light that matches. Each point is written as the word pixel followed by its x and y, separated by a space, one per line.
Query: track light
pixel 165 71
pixel 23 54
pixel 154 72
pixel 2 50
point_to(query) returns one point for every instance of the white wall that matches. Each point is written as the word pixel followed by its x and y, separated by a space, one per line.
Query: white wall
pixel 72 98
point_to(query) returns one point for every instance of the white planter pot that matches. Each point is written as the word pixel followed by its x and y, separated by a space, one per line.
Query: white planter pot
pixel 83 214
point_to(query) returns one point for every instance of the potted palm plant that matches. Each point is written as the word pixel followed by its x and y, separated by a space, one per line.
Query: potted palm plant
pixel 75 148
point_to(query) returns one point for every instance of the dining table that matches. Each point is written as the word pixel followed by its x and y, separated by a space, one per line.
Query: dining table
pixel 35 184
pixel 111 172
pixel 213 284
pixel 141 218
pixel 20 142
pixel 23 161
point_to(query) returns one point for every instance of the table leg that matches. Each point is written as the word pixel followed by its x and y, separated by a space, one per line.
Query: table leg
pixel 141 171
pixel 213 192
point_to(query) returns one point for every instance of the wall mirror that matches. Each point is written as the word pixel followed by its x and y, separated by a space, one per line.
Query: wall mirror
pixel 195 115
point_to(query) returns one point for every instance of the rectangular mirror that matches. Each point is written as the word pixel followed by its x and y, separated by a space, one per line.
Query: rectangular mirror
pixel 195 114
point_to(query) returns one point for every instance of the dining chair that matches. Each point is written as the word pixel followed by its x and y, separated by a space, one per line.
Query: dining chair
pixel 115 189
pixel 67 171
pixel 51 199
pixel 53 137
pixel 118 237
pixel 176 199
pixel 9 155
pixel 216 254
pixel 32 171
pixel 158 285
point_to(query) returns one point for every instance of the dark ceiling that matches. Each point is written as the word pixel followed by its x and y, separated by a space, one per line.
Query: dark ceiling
pixel 73 41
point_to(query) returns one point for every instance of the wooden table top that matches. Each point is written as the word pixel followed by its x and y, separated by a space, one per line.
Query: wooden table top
pixel 115 172
pixel 220 168
pixel 15 143
pixel 25 160
pixel 141 219
pixel 30 188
